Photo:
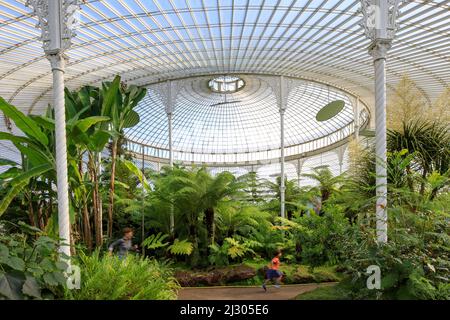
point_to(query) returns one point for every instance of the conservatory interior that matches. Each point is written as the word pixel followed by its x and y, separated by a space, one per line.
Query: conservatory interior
pixel 149 148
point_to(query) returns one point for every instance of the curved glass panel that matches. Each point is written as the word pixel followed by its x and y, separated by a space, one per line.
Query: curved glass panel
pixel 242 126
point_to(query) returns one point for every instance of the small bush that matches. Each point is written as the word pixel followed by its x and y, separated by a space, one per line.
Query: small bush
pixel 134 278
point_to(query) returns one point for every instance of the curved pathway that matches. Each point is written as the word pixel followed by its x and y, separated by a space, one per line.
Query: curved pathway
pixel 286 292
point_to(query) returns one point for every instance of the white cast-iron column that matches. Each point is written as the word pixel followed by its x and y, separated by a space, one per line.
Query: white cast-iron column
pixel 57 63
pixel 281 88
pixel 168 91
pixel 379 54
pixel 282 162
pixel 380 26
pixel 57 21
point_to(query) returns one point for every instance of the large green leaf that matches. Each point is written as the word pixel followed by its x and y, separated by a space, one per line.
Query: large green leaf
pixel 12 193
pixel 155 241
pixel 10 173
pixel 14 262
pixel 137 172
pixel 44 122
pixel 7 162
pixel 13 138
pixel 19 182
pixel 87 123
pixel 35 172
pixel 131 120
pixel 182 247
pixel 110 95
pixel 98 140
pixel 24 123
pixel 11 286
pixel 34 155
pixel 31 288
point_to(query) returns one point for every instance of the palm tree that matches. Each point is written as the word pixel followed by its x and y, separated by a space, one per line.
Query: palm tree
pixel 428 141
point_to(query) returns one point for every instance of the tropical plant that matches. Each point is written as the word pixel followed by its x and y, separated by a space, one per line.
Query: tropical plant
pixel 181 247
pixel 135 278
pixel 292 194
pixel 119 102
pixel 327 183
pixel 195 194
pixel 30 265
pixel 155 241
pixel 232 249
pixel 428 142
pixel 414 263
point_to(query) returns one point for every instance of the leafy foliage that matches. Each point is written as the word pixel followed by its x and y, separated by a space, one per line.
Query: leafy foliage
pixel 30 267
pixel 181 247
pixel 155 241
pixel 109 278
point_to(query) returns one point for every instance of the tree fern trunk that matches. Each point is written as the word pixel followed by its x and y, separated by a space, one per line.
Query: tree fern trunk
pixel 210 226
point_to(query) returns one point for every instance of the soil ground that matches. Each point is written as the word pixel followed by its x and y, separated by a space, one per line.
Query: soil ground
pixel 286 292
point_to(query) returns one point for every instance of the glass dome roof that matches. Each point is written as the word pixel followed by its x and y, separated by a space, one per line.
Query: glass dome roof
pixel 241 126
pixel 147 42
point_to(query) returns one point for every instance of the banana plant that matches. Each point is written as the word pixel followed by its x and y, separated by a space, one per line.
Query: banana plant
pixel 119 100
pixel 37 147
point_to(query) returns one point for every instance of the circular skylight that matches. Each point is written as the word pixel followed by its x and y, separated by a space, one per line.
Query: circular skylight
pixel 226 84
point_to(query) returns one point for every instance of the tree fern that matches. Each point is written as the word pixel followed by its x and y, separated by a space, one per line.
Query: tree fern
pixel 182 247
pixel 155 241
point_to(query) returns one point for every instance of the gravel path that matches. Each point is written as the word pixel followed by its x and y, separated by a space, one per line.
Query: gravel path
pixel 246 293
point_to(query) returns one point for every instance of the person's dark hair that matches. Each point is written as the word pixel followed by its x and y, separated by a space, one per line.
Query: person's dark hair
pixel 277 252
pixel 126 230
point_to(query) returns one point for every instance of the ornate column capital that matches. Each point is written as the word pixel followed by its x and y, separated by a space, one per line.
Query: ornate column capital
pixel 58 21
pixel 379 48
pixel 281 87
pixel 57 61
pixel 168 92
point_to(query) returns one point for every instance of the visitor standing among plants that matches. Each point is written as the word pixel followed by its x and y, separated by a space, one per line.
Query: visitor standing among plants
pixel 274 272
pixel 124 244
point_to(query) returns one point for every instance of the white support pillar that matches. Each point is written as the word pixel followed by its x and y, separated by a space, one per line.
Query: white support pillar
pixel 170 119
pixel 356 112
pixel 299 168
pixel 143 201
pixel 380 26
pixel 57 63
pixel 282 163
pixel 281 88
pixel 169 91
pixel 379 54
pixel 57 21
pixel 340 152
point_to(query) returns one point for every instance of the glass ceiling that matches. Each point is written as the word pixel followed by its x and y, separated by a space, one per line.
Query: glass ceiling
pixel 241 126
pixel 155 40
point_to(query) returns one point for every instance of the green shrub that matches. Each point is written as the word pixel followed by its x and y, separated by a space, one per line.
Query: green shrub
pixel 134 278
pixel 414 264
pixel 318 237
pixel 30 266
pixel 232 249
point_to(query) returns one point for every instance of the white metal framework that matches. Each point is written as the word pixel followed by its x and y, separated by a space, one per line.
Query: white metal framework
pixel 242 127
pixel 154 40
